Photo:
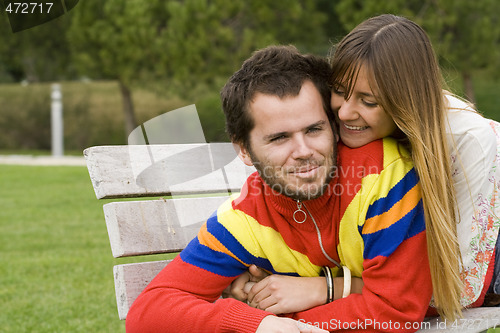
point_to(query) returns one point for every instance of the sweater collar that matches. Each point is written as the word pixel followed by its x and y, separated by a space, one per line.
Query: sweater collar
pixel 287 206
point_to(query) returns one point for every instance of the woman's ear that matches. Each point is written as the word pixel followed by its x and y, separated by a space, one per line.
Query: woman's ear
pixel 243 153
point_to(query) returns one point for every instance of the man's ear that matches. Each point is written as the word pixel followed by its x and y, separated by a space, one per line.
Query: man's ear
pixel 243 153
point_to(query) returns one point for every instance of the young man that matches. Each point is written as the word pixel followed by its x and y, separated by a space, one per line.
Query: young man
pixel 297 214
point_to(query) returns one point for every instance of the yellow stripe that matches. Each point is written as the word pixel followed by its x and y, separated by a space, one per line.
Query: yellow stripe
pixel 393 151
pixel 265 242
pixel 397 163
pixel 398 211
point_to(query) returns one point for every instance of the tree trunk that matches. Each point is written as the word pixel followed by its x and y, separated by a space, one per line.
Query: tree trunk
pixel 468 87
pixel 128 108
pixel 30 70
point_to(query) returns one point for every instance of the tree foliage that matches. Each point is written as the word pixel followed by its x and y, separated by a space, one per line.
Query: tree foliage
pixel 183 43
pixel 465 34
pixel 115 39
pixel 194 41
pixel 34 55
pixel 188 47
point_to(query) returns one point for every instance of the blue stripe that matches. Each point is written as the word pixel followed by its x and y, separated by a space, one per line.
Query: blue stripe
pixel 384 242
pixel 213 261
pixel 399 190
pixel 221 263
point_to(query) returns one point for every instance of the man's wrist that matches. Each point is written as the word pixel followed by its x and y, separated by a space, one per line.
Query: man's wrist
pixel 338 286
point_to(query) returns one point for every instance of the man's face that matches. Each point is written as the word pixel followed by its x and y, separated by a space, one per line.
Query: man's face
pixel 292 144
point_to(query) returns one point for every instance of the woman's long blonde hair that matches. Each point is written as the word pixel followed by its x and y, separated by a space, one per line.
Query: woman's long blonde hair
pixel 403 69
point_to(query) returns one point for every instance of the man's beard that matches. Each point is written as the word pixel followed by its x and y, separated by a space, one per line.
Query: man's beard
pixel 276 181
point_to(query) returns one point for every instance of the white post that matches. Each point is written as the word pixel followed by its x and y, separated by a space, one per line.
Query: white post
pixel 57 121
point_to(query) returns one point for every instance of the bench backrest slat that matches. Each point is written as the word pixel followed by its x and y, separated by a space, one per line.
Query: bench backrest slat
pixel 162 170
pixel 156 226
pixel 130 281
pixel 183 175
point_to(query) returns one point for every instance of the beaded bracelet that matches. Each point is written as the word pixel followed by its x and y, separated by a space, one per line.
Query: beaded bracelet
pixel 329 284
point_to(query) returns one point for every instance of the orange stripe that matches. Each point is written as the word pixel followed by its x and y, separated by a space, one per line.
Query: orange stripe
pixel 210 241
pixel 400 209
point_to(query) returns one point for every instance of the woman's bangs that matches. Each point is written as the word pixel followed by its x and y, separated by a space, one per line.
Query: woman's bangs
pixel 345 75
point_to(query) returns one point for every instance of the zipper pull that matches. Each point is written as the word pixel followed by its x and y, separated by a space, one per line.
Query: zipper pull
pixel 299 216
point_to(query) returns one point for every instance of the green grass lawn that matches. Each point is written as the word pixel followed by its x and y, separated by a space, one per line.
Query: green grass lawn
pixel 55 259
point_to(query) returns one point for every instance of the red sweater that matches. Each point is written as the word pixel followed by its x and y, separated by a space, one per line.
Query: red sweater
pixel 376 229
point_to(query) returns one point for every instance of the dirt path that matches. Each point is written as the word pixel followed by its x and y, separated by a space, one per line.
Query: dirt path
pixel 42 160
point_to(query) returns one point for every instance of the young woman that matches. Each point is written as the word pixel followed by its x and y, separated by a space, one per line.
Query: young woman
pixel 387 82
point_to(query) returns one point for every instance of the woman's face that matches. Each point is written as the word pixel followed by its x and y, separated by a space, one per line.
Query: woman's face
pixel 361 118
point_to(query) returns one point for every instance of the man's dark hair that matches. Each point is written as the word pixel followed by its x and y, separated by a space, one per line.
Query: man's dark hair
pixel 275 70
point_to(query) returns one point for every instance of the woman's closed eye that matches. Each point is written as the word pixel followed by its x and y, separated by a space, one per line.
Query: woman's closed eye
pixel 369 104
pixel 338 91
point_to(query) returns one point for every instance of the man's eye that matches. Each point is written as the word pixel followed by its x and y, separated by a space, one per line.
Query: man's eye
pixel 277 138
pixel 314 129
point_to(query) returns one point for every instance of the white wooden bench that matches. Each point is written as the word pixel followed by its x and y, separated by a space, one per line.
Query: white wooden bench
pixel 163 225
pixel 175 173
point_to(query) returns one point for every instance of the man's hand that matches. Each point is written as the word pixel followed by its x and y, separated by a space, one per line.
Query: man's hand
pixel 287 294
pixel 272 324
pixel 241 286
pixel 284 294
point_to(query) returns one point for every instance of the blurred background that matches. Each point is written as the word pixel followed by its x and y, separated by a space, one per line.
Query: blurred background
pixel 120 63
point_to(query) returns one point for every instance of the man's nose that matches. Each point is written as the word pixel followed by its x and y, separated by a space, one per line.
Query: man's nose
pixel 302 148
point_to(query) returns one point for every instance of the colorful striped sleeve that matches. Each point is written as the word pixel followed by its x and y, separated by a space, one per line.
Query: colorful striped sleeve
pixel 392 219
pixel 217 250
pixel 383 232
pixel 232 240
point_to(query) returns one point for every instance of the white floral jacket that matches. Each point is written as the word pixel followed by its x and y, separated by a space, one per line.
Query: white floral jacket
pixel 476 174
